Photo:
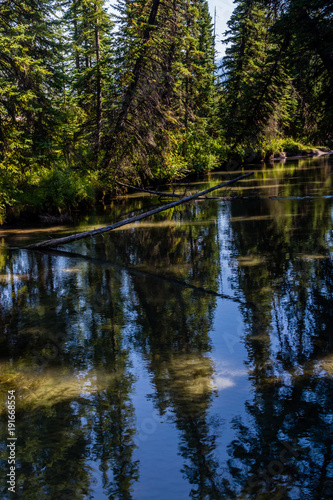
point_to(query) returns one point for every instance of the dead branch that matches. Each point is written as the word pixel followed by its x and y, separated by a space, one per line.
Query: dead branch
pixel 74 237
pixel 173 194
pixel 158 193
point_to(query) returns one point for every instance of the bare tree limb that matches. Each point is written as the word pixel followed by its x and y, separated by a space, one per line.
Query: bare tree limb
pixel 74 237
pixel 173 195
pixel 158 193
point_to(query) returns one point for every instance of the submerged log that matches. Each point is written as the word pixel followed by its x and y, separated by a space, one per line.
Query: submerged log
pixel 78 236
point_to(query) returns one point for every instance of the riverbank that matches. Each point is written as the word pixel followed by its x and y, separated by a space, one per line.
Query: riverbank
pixel 284 155
pixel 58 196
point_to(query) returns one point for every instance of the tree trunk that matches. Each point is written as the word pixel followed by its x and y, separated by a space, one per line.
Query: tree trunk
pixel 77 59
pixel 131 90
pixel 98 87
pixel 74 237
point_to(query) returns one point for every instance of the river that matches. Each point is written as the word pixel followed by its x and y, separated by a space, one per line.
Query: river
pixel 189 355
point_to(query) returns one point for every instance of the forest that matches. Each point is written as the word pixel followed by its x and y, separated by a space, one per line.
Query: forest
pixel 166 344
pixel 91 95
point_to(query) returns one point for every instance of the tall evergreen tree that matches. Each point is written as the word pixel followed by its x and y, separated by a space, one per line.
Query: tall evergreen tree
pixel 31 80
pixel 255 81
pixel 310 26
pixel 278 71
pixel 199 91
pixel 89 70
pixel 169 66
pixel 140 117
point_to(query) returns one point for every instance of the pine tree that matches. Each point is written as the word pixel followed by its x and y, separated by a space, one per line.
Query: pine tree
pixel 89 70
pixel 310 27
pixel 31 81
pixel 165 86
pixel 198 91
pixel 278 72
pixel 147 43
pixel 248 38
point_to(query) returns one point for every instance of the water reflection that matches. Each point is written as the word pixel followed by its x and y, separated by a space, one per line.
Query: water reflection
pixel 288 325
pixel 79 335
pixel 172 331
pixel 70 368
pixel 185 385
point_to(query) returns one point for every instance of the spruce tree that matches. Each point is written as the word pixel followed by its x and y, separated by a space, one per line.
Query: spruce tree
pixel 147 47
pixel 278 72
pixel 199 90
pixel 243 63
pixel 89 71
pixel 310 26
pixel 31 81
pixel 165 86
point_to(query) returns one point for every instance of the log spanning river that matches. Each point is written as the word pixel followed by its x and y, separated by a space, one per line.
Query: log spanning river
pixel 189 355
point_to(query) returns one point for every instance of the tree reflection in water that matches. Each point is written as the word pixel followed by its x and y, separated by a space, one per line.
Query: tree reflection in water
pixel 71 328
pixel 288 320
pixel 71 373
pixel 172 332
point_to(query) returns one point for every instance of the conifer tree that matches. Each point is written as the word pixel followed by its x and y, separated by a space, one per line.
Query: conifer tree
pixel 197 68
pixel 248 38
pixel 165 85
pixel 278 72
pixel 140 125
pixel 89 69
pixel 310 26
pixel 31 80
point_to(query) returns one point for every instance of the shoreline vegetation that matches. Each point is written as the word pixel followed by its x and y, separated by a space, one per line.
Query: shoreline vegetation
pixel 54 214
pixel 89 98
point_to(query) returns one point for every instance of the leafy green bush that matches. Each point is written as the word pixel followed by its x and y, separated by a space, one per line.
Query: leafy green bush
pixel 197 151
pixel 42 189
pixel 62 188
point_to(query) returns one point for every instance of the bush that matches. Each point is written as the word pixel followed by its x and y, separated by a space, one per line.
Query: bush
pixel 41 190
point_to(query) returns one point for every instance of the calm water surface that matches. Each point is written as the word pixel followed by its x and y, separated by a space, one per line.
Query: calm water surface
pixel 187 356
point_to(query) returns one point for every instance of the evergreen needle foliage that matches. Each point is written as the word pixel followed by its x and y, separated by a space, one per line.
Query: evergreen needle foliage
pixel 88 97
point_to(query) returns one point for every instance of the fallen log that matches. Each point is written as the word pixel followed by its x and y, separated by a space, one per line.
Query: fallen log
pixel 78 236
pixel 163 193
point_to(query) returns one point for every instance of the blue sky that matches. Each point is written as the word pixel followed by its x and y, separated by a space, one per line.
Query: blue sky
pixel 224 10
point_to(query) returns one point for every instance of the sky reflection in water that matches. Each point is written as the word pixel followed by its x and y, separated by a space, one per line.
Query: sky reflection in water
pixel 188 356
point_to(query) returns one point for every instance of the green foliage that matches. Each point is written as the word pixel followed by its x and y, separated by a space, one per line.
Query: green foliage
pixel 278 73
pixel 269 147
pixel 87 97
pixel 45 190
pixel 165 86
pixel 202 151
pixel 89 70
pixel 31 79
pixel 59 189
pixel 257 100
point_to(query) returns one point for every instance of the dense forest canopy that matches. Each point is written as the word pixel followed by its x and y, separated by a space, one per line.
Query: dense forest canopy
pixel 88 97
